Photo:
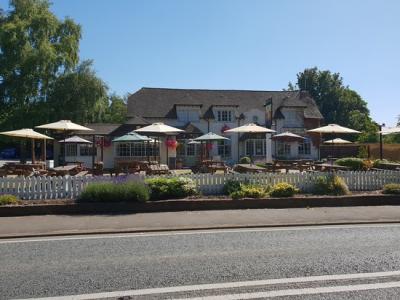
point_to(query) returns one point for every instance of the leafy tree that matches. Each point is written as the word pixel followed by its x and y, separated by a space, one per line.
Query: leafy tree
pixel 79 95
pixel 35 48
pixel 117 110
pixel 337 103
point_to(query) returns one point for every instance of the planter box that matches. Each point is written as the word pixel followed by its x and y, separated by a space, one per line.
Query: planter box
pixel 198 204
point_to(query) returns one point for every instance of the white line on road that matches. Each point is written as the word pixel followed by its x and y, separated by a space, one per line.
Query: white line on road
pixel 190 232
pixel 226 285
pixel 298 292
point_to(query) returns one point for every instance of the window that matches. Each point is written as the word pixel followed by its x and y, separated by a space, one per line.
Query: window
pixel 305 148
pixel 71 149
pixel 138 149
pixel 255 147
pixel 283 149
pixel 224 116
pixel 224 149
pixel 86 150
pixel 190 150
pixel 123 149
pixel 188 114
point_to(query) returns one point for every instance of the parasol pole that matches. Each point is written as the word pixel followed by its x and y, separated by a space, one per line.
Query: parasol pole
pixel 33 150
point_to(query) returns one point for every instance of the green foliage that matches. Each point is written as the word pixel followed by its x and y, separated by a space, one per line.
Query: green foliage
pixel 363 152
pixel 111 192
pixel 245 160
pixel 337 102
pixel 391 188
pixel 232 186
pixel 171 188
pixel 378 163
pixel 330 185
pixel 79 95
pixel 283 189
pixel 249 191
pixel 355 164
pixel 117 111
pixel 35 48
pixel 8 199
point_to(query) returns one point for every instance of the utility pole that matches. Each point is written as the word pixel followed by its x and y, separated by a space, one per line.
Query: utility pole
pixel 381 141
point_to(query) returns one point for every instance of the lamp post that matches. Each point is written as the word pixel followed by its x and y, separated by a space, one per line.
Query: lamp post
pixel 381 141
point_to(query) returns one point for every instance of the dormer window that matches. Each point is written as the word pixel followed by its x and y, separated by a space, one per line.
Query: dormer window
pixel 188 113
pixel 224 116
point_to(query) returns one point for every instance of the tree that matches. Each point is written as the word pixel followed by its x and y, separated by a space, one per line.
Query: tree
pixel 337 103
pixel 36 48
pixel 79 95
pixel 117 110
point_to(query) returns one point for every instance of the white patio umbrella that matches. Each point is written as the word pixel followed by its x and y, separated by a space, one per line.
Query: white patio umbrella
pixel 333 129
pixel 159 129
pixel 337 141
pixel 252 128
pixel 209 137
pixel 64 126
pixel 75 140
pixel 29 134
pixel 387 131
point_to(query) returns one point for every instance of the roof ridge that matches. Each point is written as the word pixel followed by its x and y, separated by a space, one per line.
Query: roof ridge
pixel 217 90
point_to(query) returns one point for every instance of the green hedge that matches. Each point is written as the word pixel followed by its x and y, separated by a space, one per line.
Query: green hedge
pixel 8 199
pixel 283 189
pixel 249 191
pixel 355 164
pixel 171 188
pixel 330 185
pixel 245 160
pixel 111 192
pixel 392 188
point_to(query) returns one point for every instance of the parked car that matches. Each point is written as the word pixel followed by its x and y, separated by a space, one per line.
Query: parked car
pixel 8 153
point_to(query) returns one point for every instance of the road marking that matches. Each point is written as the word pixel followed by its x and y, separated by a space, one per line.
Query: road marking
pixel 298 292
pixel 191 232
pixel 226 285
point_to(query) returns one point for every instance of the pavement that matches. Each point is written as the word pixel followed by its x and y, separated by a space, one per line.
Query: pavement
pixel 315 262
pixel 47 225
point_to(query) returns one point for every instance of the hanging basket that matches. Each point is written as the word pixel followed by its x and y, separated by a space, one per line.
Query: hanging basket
pixel 171 144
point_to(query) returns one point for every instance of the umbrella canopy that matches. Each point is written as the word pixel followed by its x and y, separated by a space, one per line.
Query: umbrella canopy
pixel 75 140
pixel 387 131
pixel 26 133
pixel 209 137
pixel 65 125
pixel 132 137
pixel 333 128
pixel 337 141
pixel 250 128
pixel 159 128
pixel 288 136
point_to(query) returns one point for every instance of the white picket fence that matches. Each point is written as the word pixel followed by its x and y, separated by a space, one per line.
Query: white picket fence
pixel 70 187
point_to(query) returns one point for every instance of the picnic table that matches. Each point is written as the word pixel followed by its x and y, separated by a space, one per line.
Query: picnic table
pixel 212 166
pixel 330 167
pixel 249 168
pixel 20 169
pixel 66 170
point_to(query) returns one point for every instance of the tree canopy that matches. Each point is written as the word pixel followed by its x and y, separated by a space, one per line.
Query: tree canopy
pixel 337 102
pixel 41 79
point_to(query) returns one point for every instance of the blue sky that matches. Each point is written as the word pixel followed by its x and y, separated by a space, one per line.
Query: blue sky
pixel 260 45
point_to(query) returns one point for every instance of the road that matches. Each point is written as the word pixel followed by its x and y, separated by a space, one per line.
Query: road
pixel 326 262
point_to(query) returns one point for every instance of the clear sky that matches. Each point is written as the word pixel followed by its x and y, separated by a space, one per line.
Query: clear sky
pixel 228 44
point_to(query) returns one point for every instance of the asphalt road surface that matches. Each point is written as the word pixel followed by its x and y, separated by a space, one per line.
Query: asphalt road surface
pixel 329 262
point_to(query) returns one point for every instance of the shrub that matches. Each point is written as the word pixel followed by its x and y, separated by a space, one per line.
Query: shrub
pixel 330 185
pixel 111 192
pixel 245 160
pixel 391 188
pixel 355 164
pixel 8 199
pixel 171 188
pixel 377 163
pixel 283 189
pixel 231 186
pixel 249 191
